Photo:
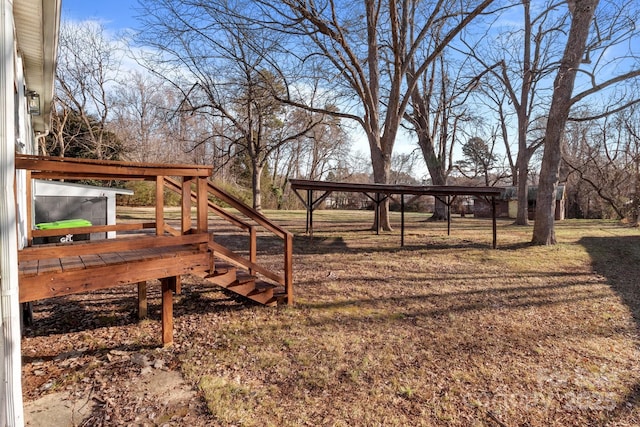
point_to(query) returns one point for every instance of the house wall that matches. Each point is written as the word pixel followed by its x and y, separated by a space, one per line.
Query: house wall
pixel 11 410
pixel 482 208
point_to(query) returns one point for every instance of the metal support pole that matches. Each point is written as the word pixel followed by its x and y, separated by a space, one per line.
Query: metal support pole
pixel 378 213
pixel 402 220
pixel 309 210
pixel 448 215
pixel 495 232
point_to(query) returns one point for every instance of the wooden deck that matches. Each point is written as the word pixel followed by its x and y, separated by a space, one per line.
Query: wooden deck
pixel 47 272
pixel 147 250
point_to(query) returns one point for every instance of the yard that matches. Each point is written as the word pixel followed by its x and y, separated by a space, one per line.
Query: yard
pixel 444 331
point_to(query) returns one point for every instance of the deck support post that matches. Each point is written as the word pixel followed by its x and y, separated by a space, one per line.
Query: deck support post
pixel 288 272
pixel 310 212
pixel 142 300
pixel 168 284
pixel 377 213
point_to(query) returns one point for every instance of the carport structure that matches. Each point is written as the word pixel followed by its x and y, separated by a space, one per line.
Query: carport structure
pixel 378 193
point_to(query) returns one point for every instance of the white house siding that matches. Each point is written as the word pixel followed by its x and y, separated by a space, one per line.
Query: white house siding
pixel 31 28
pixel 11 413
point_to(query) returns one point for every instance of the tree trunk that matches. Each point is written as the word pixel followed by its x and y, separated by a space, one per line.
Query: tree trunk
pixel 522 216
pixel 381 163
pixel 440 208
pixel 256 182
pixel 435 164
pixel 582 14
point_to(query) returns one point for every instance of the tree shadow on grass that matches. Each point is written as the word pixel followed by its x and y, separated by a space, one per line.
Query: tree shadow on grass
pixel 618 260
pixel 322 245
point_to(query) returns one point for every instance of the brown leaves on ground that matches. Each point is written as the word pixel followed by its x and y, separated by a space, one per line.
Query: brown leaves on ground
pixel 444 331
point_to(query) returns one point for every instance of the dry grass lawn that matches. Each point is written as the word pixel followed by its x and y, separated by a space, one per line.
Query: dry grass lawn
pixel 445 331
pixel 442 332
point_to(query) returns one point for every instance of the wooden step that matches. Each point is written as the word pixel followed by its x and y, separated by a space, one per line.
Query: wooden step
pixel 263 292
pixel 221 278
pixel 244 284
pixel 279 298
pixel 222 268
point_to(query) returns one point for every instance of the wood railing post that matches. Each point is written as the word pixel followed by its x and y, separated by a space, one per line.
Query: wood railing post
pixel 186 204
pixel 201 205
pixel 253 246
pixel 288 267
pixel 159 205
pixel 29 208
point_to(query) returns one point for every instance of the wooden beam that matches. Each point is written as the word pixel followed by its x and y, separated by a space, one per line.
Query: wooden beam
pixel 168 283
pixel 29 208
pixel 142 300
pixel 185 192
pixel 61 283
pixel 177 286
pixel 288 268
pixel 106 168
pixel 201 205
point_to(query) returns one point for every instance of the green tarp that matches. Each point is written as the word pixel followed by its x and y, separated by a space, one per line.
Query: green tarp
pixel 65 223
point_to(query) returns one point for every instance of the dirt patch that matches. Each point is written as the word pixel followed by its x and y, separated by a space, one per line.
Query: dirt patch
pixel 58 409
pixel 107 368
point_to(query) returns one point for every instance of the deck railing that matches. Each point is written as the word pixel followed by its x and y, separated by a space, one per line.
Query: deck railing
pixel 62 168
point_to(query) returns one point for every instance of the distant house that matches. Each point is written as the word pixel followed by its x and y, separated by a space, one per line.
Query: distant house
pixel 507 205
pixel 28 43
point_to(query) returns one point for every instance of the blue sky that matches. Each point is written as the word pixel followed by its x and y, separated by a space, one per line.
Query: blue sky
pixel 114 14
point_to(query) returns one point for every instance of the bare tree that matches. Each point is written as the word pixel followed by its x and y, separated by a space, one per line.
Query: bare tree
pixel 436 112
pixel 142 117
pixel 613 27
pixel 403 167
pixel 605 155
pixel 87 66
pixel 217 61
pixel 363 51
pixel 582 15
pixel 315 153
pixel 517 64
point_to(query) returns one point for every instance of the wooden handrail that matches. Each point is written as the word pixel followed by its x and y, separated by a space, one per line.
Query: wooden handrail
pixel 247 211
pixel 176 187
pixel 241 261
pixel 286 279
pixel 64 167
pixel 109 245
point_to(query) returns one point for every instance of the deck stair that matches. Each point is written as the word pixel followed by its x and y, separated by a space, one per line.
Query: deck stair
pixel 237 273
pixel 242 283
